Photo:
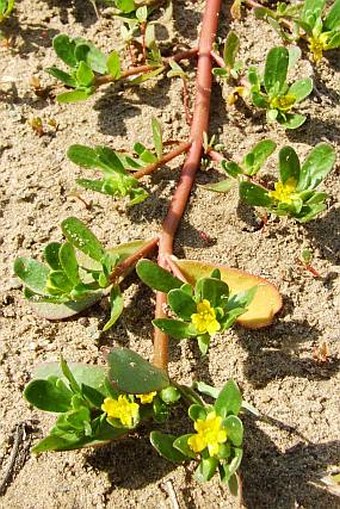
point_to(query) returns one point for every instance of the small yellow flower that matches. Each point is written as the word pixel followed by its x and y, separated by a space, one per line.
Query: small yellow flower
pixel 317 45
pixel 284 193
pixel 283 103
pixel 210 433
pixel 146 398
pixel 205 318
pixel 122 408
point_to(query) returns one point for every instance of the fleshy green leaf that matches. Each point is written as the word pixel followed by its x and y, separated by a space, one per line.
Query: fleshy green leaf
pixel 231 48
pixel 117 306
pixel 206 469
pixel 332 20
pixel 292 120
pixel 63 76
pixel 255 159
pixel 74 96
pixel 212 289
pixel 197 412
pixel 316 166
pixel 174 328
pixel 229 400
pixel 276 68
pixel 234 428
pixel 48 396
pixel 289 164
pixel 156 277
pixel 34 274
pixel 301 89
pixel 64 47
pixel 69 262
pixel 134 374
pixel 181 303
pixel 113 65
pixel 232 168
pixel 254 195
pixel 157 137
pixel 223 186
pixel 85 75
pixel 181 444
pixel 82 238
pixel 311 10
pixel 51 255
pixel 94 376
pixel 163 443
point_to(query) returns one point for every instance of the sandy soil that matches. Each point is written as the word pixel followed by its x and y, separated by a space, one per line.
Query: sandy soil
pixel 275 368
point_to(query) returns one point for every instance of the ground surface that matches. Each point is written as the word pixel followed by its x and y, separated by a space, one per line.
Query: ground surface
pixel 274 367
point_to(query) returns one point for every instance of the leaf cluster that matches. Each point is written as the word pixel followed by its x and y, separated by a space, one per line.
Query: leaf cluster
pixel 232 67
pixel 177 449
pixel 75 273
pixel 77 392
pixel 295 192
pixel 85 63
pixel 184 302
pixel 310 19
pixel 116 167
pixel 272 92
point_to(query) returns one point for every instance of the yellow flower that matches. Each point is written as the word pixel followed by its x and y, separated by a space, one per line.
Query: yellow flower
pixel 122 408
pixel 146 398
pixel 210 433
pixel 283 103
pixel 284 192
pixel 317 44
pixel 205 318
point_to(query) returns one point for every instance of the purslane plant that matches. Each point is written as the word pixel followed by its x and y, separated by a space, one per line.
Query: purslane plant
pixel 272 92
pixel 76 273
pixel 200 311
pixel 96 405
pixel 311 20
pixel 295 193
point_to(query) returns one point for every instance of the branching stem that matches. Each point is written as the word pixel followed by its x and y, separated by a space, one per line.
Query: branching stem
pixel 131 260
pixel 142 69
pixel 147 170
pixel 180 198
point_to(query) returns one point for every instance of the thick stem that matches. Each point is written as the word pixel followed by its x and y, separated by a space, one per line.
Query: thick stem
pixel 142 69
pixel 131 260
pixel 198 127
pixel 147 170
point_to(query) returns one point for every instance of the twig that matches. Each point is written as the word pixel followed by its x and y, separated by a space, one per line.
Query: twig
pixel 218 59
pixel 19 437
pixel 168 487
pixel 147 170
pixel 142 69
pixel 180 198
pixel 214 156
pixel 131 260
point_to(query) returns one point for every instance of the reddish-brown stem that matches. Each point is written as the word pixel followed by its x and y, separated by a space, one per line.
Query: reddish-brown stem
pixel 131 260
pixel 142 69
pixel 147 170
pixel 218 59
pixel 214 156
pixel 198 127
pixel 188 116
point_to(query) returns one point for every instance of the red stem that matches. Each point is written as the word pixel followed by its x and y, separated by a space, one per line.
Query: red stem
pixel 131 260
pixel 180 198
pixel 147 170
pixel 142 69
